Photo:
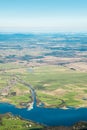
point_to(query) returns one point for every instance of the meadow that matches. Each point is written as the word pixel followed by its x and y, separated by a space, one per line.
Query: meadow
pixel 9 122
pixel 52 83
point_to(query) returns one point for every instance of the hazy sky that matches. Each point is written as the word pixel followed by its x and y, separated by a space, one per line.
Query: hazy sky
pixel 43 15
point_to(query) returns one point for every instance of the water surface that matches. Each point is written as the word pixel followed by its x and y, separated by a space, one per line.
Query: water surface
pixel 47 116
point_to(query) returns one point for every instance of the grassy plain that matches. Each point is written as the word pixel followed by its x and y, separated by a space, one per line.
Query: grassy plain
pixel 9 122
pixel 51 83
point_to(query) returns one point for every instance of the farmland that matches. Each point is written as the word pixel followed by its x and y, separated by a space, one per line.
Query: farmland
pixel 54 64
pixel 51 84
pixel 10 122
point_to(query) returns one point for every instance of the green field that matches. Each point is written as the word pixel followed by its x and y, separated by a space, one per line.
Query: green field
pixel 9 122
pixel 51 84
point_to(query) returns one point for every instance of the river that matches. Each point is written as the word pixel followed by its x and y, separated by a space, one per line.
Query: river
pixel 46 116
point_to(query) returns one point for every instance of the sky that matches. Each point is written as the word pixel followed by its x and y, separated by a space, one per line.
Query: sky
pixel 43 15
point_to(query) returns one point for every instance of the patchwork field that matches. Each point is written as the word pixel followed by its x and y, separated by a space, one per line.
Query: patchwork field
pixel 55 86
pixel 50 67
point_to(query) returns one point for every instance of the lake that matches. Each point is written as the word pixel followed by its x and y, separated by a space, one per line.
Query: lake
pixel 47 116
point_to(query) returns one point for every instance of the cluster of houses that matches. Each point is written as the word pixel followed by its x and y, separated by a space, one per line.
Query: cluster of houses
pixel 4 92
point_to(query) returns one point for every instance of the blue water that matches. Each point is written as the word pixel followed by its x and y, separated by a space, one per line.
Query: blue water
pixel 47 116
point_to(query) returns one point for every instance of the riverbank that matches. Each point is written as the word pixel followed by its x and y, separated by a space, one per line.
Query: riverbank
pixel 8 121
pixel 51 83
pixel 77 126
